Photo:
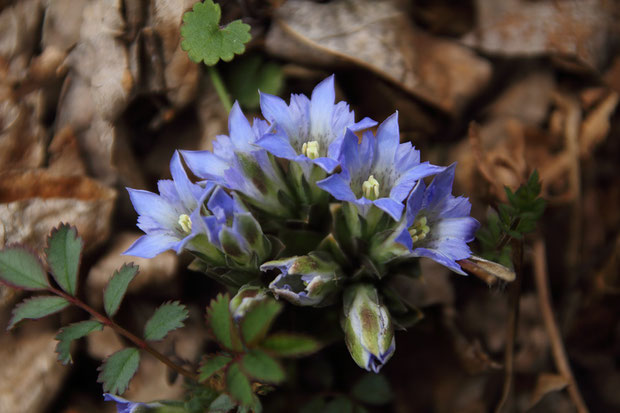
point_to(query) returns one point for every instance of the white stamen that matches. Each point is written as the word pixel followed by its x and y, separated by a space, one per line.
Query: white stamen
pixel 311 149
pixel 185 223
pixel 370 188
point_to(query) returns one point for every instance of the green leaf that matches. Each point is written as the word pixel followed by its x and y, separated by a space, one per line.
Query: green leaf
pixel 220 321
pixel 64 250
pixel 37 307
pixel 117 286
pixel 222 404
pixel 212 365
pixel 239 386
pixel 262 367
pixel 21 268
pixel 290 345
pixel 73 332
pixel 169 316
pixel 258 320
pixel 340 404
pixel 249 74
pixel 204 40
pixel 373 389
pixel 118 369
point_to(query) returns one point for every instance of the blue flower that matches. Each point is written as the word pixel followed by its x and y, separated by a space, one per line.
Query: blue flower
pixel 238 164
pixel 233 230
pixel 378 170
pixel 309 131
pixel 167 218
pixel 438 225
pixel 126 406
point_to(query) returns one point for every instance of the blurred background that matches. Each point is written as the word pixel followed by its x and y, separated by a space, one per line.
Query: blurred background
pixel 95 95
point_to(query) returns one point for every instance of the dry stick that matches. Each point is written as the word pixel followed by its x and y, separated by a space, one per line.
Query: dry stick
pixel 557 346
pixel 513 323
pixel 123 332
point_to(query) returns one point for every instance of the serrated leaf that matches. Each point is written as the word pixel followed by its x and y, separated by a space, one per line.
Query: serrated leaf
pixel 118 369
pixel 169 316
pixel 290 345
pixel 22 269
pixel 37 307
pixel 222 404
pixel 73 332
pixel 117 287
pixel 258 320
pixel 238 385
pixel 64 250
pixel 221 323
pixel 212 365
pixel 262 367
pixel 373 389
pixel 204 40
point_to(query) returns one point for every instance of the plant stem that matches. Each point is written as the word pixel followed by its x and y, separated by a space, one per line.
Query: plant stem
pixel 557 346
pixel 220 88
pixel 513 323
pixel 140 343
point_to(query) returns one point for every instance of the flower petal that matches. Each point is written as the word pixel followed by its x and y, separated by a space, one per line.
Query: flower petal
pixel 153 206
pixel 276 111
pixel 277 144
pixel 150 245
pixel 188 192
pixel 322 107
pixel 391 207
pixel 206 165
pixel 338 186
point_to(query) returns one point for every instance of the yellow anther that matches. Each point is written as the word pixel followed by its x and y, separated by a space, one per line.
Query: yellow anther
pixel 185 223
pixel 370 188
pixel 311 149
pixel 419 230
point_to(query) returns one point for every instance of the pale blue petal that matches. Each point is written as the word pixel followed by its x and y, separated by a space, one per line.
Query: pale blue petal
pixel 405 238
pixel 276 111
pixel 277 144
pixel 439 257
pixel 153 206
pixel 327 164
pixel 338 186
pixel 460 228
pixel 363 124
pixel 407 181
pixel 185 188
pixel 150 245
pixel 322 107
pixel 388 138
pixel 391 207
pixel 441 187
pixel 240 131
pixel 206 165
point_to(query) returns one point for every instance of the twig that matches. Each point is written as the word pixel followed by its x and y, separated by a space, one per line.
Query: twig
pixel 142 344
pixel 557 346
pixel 513 322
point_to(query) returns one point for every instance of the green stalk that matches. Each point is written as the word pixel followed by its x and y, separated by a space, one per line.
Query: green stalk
pixel 220 88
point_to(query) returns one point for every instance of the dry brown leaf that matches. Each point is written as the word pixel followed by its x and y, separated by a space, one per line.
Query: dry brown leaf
pixel 379 36
pixel 64 154
pixel 33 202
pixel 545 384
pixel 595 126
pixel 514 28
pixel 22 138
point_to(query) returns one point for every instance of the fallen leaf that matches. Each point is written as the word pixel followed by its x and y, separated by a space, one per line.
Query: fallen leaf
pixel 545 384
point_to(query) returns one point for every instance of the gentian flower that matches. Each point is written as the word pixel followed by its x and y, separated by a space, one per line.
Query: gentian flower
pixel 237 164
pixel 368 329
pixel 378 170
pixel 126 406
pixel 308 280
pixel 438 225
pixel 167 218
pixel 233 230
pixel 309 131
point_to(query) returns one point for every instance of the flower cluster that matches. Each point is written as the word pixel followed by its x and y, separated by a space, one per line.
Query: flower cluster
pixel 314 208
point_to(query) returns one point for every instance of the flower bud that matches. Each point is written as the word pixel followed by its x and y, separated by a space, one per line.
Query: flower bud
pixel 308 280
pixel 245 299
pixel 367 326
